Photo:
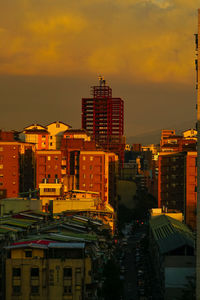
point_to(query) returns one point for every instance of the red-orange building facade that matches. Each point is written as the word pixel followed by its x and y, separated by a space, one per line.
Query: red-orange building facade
pixel 177 184
pixel 48 166
pixel 103 118
pixel 38 135
pixel 16 168
pixel 97 173
pixel 191 194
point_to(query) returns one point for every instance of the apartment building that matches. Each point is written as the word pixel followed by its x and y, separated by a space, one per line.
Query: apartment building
pixel 56 131
pixel 48 166
pixel 97 171
pixel 177 184
pixel 103 118
pixel 17 168
pixel 47 270
pixel 38 135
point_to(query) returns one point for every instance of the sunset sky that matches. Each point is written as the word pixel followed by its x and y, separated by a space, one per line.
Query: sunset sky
pixel 52 51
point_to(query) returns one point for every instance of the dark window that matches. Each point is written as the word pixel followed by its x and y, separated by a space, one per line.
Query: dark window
pixel 56 175
pixel 16 289
pixel 67 290
pixel 49 190
pixel 50 144
pixel 67 272
pixel 49 176
pixel 34 272
pixel 28 253
pixel 34 289
pixel 16 272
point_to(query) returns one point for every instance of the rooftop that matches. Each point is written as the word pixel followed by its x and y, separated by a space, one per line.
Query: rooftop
pixel 170 233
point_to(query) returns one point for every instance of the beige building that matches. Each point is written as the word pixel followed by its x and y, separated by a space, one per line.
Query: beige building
pixel 190 134
pixel 56 131
pixel 46 270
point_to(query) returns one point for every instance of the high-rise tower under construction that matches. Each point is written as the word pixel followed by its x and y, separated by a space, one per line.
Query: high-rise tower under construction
pixel 103 118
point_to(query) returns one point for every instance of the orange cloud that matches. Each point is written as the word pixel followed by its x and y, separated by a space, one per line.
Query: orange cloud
pixel 138 40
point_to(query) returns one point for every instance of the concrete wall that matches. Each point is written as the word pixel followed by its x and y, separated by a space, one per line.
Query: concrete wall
pixel 16 205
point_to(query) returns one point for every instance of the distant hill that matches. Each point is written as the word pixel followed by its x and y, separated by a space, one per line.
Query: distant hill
pixel 153 137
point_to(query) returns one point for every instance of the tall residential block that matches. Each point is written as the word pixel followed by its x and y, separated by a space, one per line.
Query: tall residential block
pixel 103 118
pixel 17 168
pixel 177 184
pixel 97 173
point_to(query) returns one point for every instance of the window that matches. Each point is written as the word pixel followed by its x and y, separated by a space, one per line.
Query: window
pixel 57 125
pixel 1 183
pixel 44 136
pixel 49 176
pixel 1 175
pixel 67 281
pixel 34 289
pixel 84 167
pixel 49 157
pixel 1 166
pixel 49 190
pixel 67 272
pixel 51 144
pixel 14 156
pixel 1 148
pixel 34 272
pixel 83 157
pixel 90 167
pixel 91 185
pixel 67 290
pixel 16 272
pixel 91 158
pixel 28 253
pixel 16 289
pixel 84 176
pixel 51 137
pixel 14 182
pixel 91 176
pixel 56 157
pixel 83 184
pixel 78 280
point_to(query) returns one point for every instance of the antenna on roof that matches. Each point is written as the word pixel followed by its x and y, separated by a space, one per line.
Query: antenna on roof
pixel 102 81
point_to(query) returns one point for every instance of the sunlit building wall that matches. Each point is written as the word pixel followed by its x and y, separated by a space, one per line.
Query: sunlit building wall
pixel 56 131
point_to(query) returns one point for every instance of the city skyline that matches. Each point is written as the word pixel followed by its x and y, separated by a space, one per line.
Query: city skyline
pixel 52 53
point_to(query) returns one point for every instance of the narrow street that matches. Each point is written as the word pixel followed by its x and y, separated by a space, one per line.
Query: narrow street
pixel 130 276
pixel 134 266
